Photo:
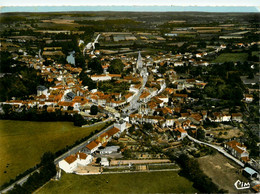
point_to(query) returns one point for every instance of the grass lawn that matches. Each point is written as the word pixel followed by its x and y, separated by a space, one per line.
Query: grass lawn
pixel 22 143
pixel 227 133
pixel 256 53
pixel 222 171
pixel 231 57
pixel 143 182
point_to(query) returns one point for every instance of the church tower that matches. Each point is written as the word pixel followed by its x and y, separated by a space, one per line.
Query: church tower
pixel 139 63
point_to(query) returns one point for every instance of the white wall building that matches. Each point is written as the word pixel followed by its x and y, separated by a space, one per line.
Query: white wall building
pixel 70 163
pixel 100 77
pixel 104 162
pixel 121 125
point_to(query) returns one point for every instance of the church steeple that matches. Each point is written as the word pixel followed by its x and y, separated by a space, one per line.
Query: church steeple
pixel 139 63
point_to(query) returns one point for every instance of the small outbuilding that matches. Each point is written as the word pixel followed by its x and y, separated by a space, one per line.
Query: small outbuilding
pixel 109 150
pixel 249 172
pixel 104 162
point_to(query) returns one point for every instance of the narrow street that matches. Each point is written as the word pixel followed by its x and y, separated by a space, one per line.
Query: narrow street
pixel 218 148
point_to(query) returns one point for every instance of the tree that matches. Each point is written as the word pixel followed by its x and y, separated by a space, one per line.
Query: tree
pixel 98 160
pixel 6 62
pixel 93 110
pixel 95 66
pixel 18 189
pixel 87 81
pixel 162 69
pixel 200 134
pixel 148 127
pixel 47 158
pixel 70 108
pixel 80 60
pixel 79 120
pixel 116 66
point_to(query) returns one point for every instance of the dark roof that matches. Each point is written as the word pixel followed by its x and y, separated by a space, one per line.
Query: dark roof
pixel 71 95
pixel 41 88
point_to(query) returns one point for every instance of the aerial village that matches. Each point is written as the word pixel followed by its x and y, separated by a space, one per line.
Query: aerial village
pixel 157 111
pixel 147 101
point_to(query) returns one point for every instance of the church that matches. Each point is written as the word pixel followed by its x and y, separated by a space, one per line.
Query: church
pixel 139 63
pixel 140 68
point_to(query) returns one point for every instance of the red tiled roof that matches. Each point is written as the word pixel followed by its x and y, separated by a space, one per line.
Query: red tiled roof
pixel 70 159
pixel 63 103
pixel 256 188
pixel 80 99
pixel 112 131
pixel 103 135
pixel 181 130
pixel 82 155
pixel 245 159
pixel 185 114
pixel 236 146
pixel 91 145
pixel 181 95
pixel 144 94
pixel 114 75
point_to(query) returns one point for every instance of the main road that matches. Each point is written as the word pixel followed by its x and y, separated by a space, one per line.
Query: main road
pixel 134 104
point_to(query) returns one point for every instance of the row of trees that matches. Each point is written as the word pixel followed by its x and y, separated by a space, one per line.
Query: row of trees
pixel 37 179
pixel 32 114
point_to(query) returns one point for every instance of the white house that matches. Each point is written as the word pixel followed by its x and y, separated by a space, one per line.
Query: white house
pixel 42 90
pixel 226 117
pixel 169 122
pixel 121 125
pixel 93 146
pixel 237 117
pixel 104 162
pixel 100 77
pixel 84 159
pixel 164 98
pixel 237 149
pixel 70 163
pixel 249 98
pixel 145 96
pixel 153 119
pixel 181 133
pixel 129 96
pixel 135 88
pixel 178 63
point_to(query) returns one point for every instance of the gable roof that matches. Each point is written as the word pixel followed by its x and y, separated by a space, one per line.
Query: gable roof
pixel 70 159
pixel 82 155
pixel 181 130
pixel 112 131
pixel 238 147
pixel 92 145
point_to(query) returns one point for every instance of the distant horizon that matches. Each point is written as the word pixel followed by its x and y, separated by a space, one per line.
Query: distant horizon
pixel 127 8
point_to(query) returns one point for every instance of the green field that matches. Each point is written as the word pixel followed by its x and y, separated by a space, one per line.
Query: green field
pixel 22 143
pixel 231 57
pixel 143 182
pixel 256 53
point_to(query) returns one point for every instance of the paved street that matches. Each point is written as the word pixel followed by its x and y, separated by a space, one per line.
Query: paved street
pixel 220 149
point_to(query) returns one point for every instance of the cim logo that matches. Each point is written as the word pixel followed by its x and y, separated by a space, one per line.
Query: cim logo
pixel 241 185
